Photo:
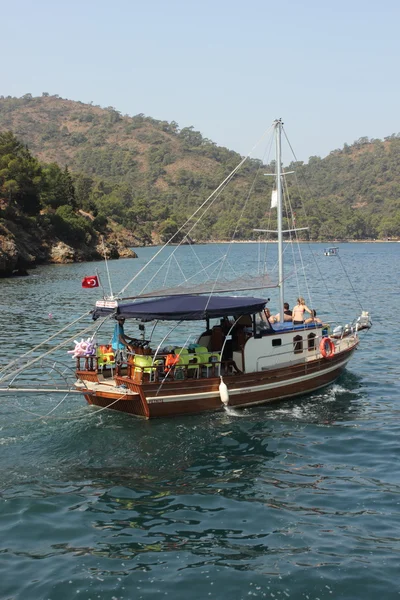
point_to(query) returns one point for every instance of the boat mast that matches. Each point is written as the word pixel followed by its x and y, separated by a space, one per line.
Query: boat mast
pixel 278 131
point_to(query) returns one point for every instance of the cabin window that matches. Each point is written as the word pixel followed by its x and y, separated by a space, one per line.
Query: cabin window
pixel 298 344
pixel 277 342
pixel 311 341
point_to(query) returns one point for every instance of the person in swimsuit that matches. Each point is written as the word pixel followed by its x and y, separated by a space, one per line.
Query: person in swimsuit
pixel 313 318
pixel 299 310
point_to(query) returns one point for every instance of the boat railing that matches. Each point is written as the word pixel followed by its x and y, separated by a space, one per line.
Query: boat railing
pixel 142 364
pixel 180 365
pixel 86 363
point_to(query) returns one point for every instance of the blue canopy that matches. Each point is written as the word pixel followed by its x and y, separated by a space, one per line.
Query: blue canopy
pixel 185 308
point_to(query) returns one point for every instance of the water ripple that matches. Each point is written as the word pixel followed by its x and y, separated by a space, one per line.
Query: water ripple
pixel 300 500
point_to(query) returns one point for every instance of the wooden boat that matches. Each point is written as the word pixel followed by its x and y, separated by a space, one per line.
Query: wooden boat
pixel 238 359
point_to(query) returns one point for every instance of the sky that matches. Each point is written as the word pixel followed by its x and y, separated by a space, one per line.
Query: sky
pixel 330 70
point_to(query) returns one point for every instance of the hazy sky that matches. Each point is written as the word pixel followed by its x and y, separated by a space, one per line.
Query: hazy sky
pixel 229 68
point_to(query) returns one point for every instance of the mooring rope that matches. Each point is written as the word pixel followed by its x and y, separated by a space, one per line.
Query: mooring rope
pixel 80 418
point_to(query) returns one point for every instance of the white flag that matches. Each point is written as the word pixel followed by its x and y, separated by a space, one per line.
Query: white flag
pixel 274 199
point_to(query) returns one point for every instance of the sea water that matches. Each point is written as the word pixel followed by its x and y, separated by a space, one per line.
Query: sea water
pixel 296 500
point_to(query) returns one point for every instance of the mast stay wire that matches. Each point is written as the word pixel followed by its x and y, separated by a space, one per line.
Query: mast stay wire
pixel 351 283
pixel 169 258
pixel 322 278
pixel 8 365
pixel 228 178
pixel 289 210
pixel 238 222
pixel 61 345
pixel 233 236
pixel 107 269
pixel 220 189
pixel 214 193
pixel 172 255
pixel 223 256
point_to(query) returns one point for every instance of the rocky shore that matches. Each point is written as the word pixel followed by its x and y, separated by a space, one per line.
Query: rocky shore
pixel 22 249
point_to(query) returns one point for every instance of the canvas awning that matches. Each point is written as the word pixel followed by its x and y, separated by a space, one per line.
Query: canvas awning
pixel 185 308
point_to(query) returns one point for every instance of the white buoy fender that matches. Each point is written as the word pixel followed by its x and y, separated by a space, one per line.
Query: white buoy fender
pixel 223 392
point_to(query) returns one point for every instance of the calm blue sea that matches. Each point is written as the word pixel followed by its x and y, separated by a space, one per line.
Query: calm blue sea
pixel 300 500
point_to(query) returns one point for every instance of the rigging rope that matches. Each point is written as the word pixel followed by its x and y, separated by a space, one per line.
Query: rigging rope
pixel 13 362
pixel 79 418
pixel 235 231
pixel 351 284
pixel 63 343
pixel 322 278
pixel 221 185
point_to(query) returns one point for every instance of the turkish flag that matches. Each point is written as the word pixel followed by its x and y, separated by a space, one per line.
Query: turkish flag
pixel 90 282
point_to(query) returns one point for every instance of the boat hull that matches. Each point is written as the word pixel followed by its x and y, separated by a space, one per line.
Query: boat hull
pixel 153 400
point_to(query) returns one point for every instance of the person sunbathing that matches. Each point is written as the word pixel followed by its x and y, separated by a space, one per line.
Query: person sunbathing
pixel 313 318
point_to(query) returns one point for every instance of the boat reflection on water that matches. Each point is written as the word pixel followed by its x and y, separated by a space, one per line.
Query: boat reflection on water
pixel 209 445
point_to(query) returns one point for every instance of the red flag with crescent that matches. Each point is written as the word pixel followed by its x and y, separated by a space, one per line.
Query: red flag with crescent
pixel 90 282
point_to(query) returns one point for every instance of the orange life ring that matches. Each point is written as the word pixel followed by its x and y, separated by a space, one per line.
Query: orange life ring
pixel 327 347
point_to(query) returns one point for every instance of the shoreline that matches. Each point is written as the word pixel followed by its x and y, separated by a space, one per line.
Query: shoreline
pixel 26 271
pixel 326 243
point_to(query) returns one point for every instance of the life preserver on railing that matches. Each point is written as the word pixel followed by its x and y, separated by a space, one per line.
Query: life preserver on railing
pixel 327 347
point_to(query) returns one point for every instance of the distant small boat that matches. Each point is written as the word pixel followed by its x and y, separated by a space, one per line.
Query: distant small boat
pixel 334 251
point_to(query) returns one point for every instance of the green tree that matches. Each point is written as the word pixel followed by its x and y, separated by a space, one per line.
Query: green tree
pixel 83 192
pixel 20 175
pixel 58 188
pixel 167 229
pixel 70 227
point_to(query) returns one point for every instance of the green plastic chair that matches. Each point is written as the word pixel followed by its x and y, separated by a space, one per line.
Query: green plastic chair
pixel 144 363
pixel 185 358
pixel 214 362
pixel 105 356
pixel 203 354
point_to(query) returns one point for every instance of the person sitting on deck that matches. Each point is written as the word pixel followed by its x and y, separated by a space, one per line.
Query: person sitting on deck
pixel 287 314
pixel 313 318
pixel 299 310
pixel 266 316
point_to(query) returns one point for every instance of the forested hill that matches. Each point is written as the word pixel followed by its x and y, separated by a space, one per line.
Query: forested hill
pixel 150 174
pixel 358 190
